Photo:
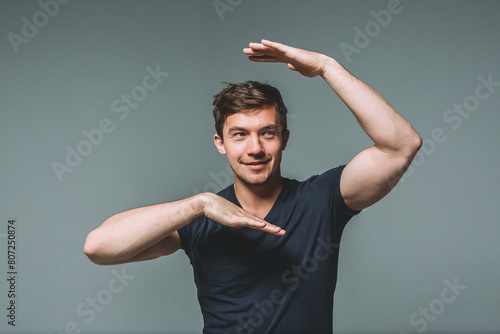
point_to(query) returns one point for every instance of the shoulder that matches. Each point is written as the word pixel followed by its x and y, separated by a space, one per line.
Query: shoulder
pixel 327 181
pixel 325 186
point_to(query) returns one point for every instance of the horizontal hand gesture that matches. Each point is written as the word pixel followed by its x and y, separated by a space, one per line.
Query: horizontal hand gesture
pixel 307 63
pixel 229 214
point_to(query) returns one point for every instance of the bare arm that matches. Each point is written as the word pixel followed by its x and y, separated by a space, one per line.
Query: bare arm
pixel 375 171
pixel 371 174
pixel 149 232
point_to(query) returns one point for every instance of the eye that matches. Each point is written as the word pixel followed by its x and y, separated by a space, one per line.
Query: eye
pixel 239 134
pixel 269 134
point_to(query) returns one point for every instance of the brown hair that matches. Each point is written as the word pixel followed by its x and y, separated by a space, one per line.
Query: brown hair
pixel 236 97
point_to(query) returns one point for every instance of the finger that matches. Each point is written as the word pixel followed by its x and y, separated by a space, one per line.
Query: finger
pixel 248 51
pixel 252 52
pixel 263 59
pixel 258 49
pixel 256 223
pixel 276 48
pixel 273 229
pixel 265 226
pixel 258 46
pixel 282 48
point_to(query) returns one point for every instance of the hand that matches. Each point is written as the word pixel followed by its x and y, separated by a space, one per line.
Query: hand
pixel 307 63
pixel 229 214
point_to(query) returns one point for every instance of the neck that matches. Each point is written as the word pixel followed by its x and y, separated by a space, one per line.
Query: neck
pixel 258 199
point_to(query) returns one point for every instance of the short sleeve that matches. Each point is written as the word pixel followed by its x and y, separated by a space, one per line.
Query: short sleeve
pixel 200 228
pixel 328 187
pixel 186 235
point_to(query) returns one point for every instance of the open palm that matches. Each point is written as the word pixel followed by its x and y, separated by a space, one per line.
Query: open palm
pixel 307 63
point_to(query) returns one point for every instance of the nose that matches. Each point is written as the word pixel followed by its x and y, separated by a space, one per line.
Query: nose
pixel 255 146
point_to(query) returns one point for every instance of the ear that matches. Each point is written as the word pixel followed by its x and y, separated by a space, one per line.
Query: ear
pixel 284 138
pixel 219 144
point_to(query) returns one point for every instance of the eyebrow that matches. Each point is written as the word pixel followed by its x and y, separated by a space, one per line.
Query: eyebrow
pixel 235 128
pixel 239 128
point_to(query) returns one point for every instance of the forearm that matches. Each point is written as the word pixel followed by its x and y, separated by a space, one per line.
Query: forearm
pixel 388 130
pixel 127 234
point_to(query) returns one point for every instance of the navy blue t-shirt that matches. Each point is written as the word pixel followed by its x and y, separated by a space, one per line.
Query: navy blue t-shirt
pixel 250 281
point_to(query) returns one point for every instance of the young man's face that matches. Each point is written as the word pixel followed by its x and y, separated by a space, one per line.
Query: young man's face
pixel 253 143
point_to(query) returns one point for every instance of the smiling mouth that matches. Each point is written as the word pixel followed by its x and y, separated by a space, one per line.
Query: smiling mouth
pixel 256 164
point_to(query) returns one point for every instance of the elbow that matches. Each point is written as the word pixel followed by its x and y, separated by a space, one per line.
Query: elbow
pixel 412 145
pixel 411 149
pixel 92 249
pixel 408 149
pixel 416 143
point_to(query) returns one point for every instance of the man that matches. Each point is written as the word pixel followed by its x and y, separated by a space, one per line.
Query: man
pixel 264 250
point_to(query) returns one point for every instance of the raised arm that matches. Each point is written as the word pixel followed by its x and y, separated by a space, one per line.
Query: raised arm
pixel 150 232
pixel 371 174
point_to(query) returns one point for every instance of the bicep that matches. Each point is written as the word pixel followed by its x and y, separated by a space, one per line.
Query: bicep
pixel 370 176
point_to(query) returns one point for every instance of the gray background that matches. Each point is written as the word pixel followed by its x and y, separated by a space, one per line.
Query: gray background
pixel 441 224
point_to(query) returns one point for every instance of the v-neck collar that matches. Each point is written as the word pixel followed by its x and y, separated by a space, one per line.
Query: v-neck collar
pixel 232 197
